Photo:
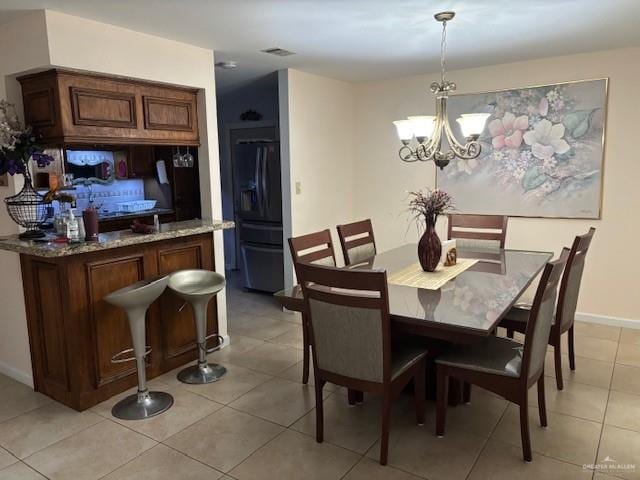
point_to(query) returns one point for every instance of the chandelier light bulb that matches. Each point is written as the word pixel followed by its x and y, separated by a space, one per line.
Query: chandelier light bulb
pixel 472 124
pixel 422 126
pixel 404 129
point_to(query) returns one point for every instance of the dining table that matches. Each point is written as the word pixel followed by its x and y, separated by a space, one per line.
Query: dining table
pixel 464 310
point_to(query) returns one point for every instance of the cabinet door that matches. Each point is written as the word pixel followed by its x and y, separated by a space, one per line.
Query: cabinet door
pixel 178 331
pixel 47 329
pixel 141 164
pixel 109 323
pixel 103 108
pixel 162 113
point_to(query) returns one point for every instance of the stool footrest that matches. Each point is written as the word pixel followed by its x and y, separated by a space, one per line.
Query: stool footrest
pixel 220 339
pixel 116 358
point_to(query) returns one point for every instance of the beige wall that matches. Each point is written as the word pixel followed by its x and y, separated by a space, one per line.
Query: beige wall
pixel 318 114
pixel 74 42
pixel 26 52
pixel 610 287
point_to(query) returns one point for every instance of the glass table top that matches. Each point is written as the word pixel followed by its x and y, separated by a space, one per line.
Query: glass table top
pixel 474 301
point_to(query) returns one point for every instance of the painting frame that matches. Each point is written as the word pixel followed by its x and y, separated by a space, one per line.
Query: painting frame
pixel 602 146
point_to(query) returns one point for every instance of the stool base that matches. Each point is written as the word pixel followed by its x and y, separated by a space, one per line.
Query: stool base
pixel 140 406
pixel 198 374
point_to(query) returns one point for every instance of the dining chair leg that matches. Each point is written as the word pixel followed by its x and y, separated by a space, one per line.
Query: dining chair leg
pixel 386 425
pixel 420 381
pixel 319 411
pixel 542 404
pixel 359 396
pixel 509 332
pixel 306 354
pixel 441 401
pixel 524 429
pixel 557 356
pixel 466 392
pixel 572 353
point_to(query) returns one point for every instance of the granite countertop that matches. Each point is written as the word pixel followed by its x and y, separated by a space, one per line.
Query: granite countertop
pixel 46 248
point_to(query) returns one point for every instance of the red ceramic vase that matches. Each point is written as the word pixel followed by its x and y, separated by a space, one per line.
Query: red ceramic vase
pixel 429 249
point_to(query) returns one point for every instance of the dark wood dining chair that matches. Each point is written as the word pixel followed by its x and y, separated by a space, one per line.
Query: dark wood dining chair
pixel 478 231
pixel 516 319
pixel 316 248
pixel 350 332
pixel 504 366
pixel 357 241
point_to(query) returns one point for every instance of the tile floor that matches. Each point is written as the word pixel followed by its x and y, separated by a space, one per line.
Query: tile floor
pixel 258 422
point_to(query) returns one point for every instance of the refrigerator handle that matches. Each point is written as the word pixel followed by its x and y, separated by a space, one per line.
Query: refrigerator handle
pixel 265 193
pixel 258 181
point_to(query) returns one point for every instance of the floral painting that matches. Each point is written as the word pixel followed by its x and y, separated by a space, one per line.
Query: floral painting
pixel 542 152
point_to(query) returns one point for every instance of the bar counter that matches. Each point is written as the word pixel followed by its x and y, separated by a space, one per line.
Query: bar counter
pixel 74 333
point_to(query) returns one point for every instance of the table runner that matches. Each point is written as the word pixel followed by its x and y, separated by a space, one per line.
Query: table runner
pixel 414 276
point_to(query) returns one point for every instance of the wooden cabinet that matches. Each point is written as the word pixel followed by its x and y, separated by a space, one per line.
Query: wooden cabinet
pixel 72 107
pixel 74 333
pixel 140 162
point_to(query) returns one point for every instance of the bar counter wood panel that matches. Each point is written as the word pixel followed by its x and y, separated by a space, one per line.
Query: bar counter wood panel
pixel 74 333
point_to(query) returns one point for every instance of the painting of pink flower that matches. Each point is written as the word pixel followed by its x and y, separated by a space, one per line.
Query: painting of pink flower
pixel 546 139
pixel 507 132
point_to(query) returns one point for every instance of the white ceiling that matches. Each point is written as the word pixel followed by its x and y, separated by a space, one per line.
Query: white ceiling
pixel 359 40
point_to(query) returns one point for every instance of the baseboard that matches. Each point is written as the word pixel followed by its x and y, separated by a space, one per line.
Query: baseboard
pixel 608 320
pixel 16 374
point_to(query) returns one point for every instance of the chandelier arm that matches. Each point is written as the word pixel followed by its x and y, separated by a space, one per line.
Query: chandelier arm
pixel 470 149
pixel 410 155
pixel 456 146
pixel 429 149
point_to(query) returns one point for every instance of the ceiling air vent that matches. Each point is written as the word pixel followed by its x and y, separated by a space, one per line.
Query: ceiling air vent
pixel 280 52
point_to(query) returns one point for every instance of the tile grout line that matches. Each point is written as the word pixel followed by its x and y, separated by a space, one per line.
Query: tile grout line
pixel 493 430
pixel 56 442
pixel 102 419
pixel 604 417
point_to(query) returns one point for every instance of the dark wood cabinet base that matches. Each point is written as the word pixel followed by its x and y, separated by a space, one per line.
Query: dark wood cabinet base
pixel 73 332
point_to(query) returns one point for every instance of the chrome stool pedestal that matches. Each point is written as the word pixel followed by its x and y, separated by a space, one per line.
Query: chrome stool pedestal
pixel 135 300
pixel 198 287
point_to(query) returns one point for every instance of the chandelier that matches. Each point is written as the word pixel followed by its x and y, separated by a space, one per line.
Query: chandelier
pixel 429 131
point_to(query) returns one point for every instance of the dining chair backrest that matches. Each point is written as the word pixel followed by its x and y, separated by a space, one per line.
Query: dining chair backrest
pixel 541 318
pixel 357 242
pixel 316 248
pixel 485 232
pixel 348 314
pixel 571 279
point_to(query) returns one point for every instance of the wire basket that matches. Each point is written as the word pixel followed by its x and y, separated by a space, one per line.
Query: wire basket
pixel 27 209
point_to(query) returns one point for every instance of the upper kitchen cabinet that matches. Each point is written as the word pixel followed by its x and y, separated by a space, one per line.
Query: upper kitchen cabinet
pixel 72 107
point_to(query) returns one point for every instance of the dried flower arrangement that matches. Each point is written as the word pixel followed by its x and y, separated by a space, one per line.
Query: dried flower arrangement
pixel 427 206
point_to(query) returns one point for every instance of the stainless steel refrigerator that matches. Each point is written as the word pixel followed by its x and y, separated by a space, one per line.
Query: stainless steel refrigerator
pixel 258 210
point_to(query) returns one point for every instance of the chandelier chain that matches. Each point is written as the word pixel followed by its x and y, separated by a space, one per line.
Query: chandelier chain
pixel 443 51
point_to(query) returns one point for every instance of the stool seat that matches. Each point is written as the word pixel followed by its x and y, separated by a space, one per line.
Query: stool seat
pixel 191 284
pixel 198 287
pixel 135 299
pixel 139 294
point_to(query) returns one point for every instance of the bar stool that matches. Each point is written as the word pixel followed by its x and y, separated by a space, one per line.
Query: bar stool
pixel 135 300
pixel 198 287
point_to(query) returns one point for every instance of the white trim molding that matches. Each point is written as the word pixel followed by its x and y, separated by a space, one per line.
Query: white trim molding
pixel 608 320
pixel 18 375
